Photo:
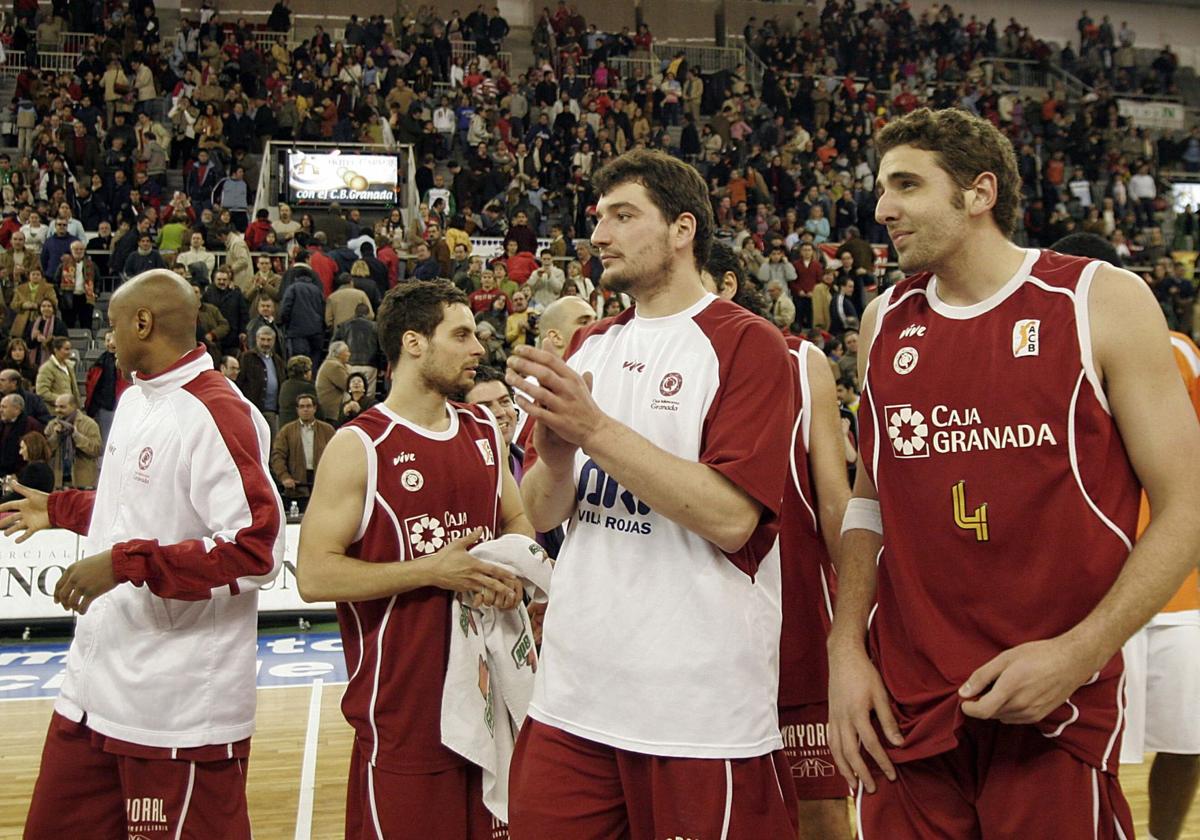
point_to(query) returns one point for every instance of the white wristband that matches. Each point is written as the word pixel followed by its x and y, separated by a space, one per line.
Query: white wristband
pixel 862 515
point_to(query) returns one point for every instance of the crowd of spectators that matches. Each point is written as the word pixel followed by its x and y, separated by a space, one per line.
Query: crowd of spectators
pixel 147 154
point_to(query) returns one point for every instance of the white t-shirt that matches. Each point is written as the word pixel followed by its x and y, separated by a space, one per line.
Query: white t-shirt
pixel 655 640
pixel 1142 187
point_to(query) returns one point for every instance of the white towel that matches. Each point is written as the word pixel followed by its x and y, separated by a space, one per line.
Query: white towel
pixel 489 675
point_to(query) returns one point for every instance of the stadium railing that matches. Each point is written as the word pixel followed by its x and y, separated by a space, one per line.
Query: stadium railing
pixel 59 62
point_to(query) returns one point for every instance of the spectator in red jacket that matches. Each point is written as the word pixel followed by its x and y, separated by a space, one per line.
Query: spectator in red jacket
pixel 520 264
pixel 387 254
pixel 325 267
pixel 810 266
pixel 256 232
pixel 12 224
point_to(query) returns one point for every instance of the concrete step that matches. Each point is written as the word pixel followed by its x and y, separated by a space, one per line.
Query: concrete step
pixel 168 21
pixel 517 43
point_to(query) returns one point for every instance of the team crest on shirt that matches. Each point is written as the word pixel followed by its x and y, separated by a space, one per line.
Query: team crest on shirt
pixel 145 458
pixel 412 481
pixel 485 449
pixel 1025 337
pixel 905 360
pixel 670 385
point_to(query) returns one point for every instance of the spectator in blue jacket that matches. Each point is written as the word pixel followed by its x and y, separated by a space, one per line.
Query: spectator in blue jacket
pixel 303 316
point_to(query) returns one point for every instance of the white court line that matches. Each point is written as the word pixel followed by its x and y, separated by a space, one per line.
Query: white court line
pixel 260 688
pixel 308 769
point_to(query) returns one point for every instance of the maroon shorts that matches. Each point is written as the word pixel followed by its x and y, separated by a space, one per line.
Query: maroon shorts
pixel 430 806
pixel 561 785
pixel 84 789
pixel 1000 781
pixel 807 750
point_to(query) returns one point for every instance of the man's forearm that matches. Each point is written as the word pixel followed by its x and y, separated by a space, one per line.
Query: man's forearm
pixel 856 587
pixel 336 577
pixel 548 495
pixel 1160 560
pixel 712 506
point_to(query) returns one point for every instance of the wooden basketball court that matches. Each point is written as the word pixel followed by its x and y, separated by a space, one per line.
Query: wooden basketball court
pixel 298 765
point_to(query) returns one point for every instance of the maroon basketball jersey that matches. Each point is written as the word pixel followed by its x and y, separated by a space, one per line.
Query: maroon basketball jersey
pixel 424 489
pixel 805 565
pixel 1008 500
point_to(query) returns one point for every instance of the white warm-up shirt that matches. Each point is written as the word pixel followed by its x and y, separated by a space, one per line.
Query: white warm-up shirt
pixel 655 640
pixel 185 502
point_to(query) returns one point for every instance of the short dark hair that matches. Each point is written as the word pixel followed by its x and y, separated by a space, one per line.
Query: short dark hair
pixel 57 343
pixel 674 187
pixel 488 373
pixel 965 147
pixel 721 259
pixel 418 306
pixel 305 396
pixel 1089 245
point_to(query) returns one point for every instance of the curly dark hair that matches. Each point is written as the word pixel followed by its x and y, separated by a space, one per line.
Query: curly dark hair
pixel 418 306
pixel 722 259
pixel 965 147
pixel 674 187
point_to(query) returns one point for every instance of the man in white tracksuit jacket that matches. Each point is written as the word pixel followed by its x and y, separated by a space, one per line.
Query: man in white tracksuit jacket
pixel 151 732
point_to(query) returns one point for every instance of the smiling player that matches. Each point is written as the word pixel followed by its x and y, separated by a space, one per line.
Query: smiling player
pixel 1013 400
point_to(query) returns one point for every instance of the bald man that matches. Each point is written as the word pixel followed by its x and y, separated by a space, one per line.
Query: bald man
pixel 556 327
pixel 561 320
pixel 151 731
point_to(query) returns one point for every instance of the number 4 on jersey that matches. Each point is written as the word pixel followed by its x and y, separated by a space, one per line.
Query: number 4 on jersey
pixel 977 521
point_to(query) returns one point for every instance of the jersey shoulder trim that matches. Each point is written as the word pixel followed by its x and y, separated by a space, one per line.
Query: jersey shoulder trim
pixel 1057 269
pixel 373 423
pixel 725 324
pixel 597 329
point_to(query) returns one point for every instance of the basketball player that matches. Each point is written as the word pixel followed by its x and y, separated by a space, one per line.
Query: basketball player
pixel 814 503
pixel 1012 402
pixel 654 710
pixel 151 731
pixel 403 491
pixel 1162 659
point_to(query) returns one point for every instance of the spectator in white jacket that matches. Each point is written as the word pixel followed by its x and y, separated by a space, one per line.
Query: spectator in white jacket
pixel 546 282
